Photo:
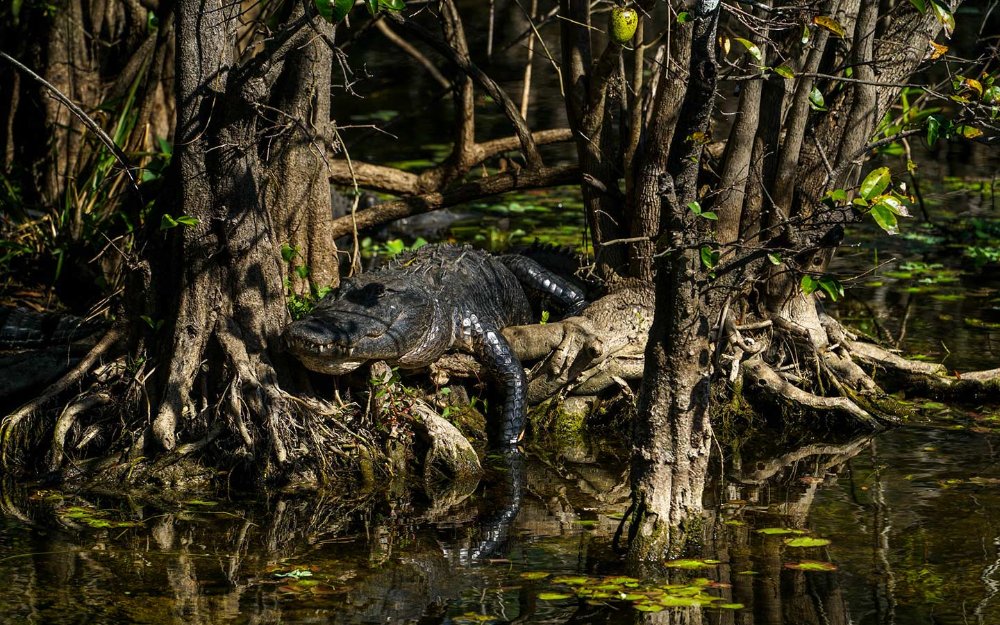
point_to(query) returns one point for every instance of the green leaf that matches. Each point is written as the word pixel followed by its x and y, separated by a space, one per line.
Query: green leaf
pixel 992 95
pixel 807 541
pixel 392 5
pixel 288 252
pixel 187 220
pixel 808 284
pixel 302 271
pixel 341 8
pixel 695 207
pixel 784 71
pixel 333 10
pixel 775 258
pixel 885 218
pixel 944 16
pixel 531 575
pixel 325 9
pixel 683 17
pixel 689 563
pixel 816 100
pixel 838 195
pixel 779 531
pixel 875 183
pixel 811 565
pixel 709 257
pixel 751 48
pixel 832 287
pixel 710 215
pixel 920 5
pixel 895 204
pixel 372 7
pixel 553 596
pixel 167 222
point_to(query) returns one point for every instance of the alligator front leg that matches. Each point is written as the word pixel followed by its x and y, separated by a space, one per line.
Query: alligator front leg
pixel 504 369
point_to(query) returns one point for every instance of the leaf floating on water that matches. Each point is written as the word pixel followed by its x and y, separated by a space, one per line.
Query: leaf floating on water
pixel 570 580
pixel 200 502
pixel 779 531
pixel 530 575
pixel 648 607
pixel 672 601
pixel 807 541
pixel 811 565
pixel 690 564
pixel 729 606
pixel 295 574
pixel 554 596
pixel 472 617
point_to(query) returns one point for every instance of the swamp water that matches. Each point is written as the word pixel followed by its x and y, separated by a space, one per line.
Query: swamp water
pixel 903 528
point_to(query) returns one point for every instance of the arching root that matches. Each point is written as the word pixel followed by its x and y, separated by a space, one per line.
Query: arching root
pixel 14 425
pixel 65 422
pixel 808 368
pixel 764 379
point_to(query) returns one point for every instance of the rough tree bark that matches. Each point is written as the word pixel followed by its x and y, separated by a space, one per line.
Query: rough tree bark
pixel 206 298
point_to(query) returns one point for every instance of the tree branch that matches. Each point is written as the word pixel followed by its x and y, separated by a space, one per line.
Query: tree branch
pixel 486 187
pixel 499 96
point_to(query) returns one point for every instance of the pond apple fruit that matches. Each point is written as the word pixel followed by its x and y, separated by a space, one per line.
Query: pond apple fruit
pixel 624 21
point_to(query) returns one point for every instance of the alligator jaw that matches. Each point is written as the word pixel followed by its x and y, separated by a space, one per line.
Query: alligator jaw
pixel 312 348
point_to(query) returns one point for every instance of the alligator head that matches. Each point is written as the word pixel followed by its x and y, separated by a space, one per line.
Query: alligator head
pixel 364 320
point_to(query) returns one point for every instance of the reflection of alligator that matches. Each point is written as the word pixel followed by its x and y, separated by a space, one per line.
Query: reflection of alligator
pixel 427 302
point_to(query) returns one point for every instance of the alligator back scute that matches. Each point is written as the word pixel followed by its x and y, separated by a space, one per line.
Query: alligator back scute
pixel 26 329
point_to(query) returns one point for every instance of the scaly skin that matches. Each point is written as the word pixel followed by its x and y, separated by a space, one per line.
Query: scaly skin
pixel 425 303
pixel 22 329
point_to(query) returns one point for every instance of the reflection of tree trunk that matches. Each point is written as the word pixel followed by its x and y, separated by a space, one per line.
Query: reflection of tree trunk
pixel 885 603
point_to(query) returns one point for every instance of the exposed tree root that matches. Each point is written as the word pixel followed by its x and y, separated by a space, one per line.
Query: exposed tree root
pixel 13 425
pixel 929 379
pixel 760 376
pixel 66 420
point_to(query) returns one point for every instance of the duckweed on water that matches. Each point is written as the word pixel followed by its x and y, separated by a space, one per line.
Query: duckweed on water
pixel 779 531
pixel 807 541
pixel 642 595
pixel 811 565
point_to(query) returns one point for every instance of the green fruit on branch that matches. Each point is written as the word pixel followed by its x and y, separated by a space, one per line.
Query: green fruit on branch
pixel 623 24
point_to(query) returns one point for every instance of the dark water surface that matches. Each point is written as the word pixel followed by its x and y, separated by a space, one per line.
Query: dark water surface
pixel 913 520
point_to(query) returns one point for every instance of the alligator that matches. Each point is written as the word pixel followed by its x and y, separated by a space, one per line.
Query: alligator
pixel 427 302
pixel 22 329
pixel 36 347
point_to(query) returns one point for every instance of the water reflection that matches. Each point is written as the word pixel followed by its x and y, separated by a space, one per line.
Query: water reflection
pixel 911 517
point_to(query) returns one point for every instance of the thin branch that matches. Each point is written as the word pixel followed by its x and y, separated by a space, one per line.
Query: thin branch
pixel 499 96
pixel 417 55
pixel 485 187
pixel 87 120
